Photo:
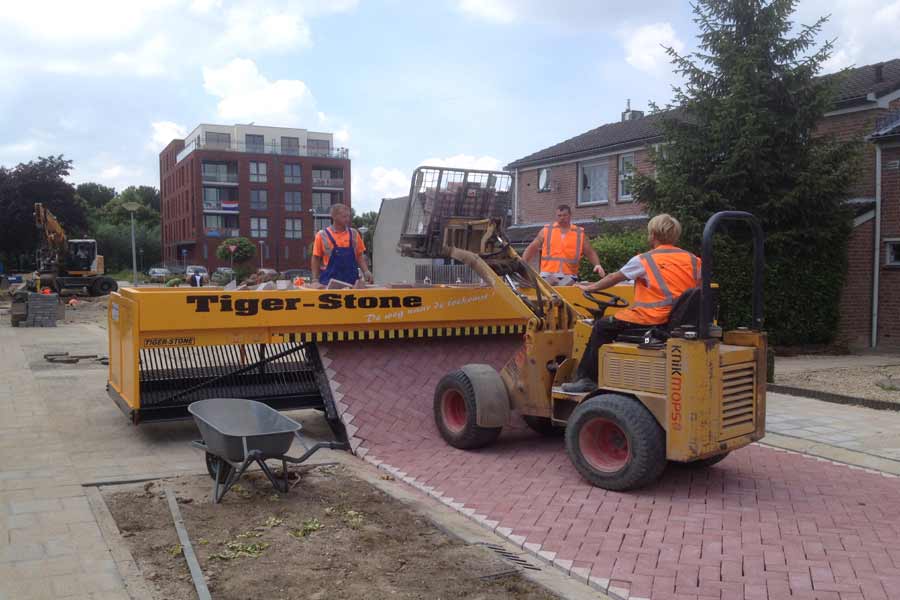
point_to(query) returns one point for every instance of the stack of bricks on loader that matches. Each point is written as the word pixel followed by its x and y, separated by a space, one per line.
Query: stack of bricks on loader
pixel 42 310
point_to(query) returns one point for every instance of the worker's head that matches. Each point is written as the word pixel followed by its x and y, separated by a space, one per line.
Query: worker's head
pixel 663 229
pixel 563 215
pixel 340 215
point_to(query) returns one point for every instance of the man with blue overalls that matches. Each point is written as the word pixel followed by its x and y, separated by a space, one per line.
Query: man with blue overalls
pixel 338 252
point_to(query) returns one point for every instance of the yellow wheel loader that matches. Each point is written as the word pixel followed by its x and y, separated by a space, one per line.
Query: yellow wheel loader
pixel 685 392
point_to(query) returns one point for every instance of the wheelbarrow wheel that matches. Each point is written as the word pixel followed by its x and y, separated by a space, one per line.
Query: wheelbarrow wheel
pixel 224 471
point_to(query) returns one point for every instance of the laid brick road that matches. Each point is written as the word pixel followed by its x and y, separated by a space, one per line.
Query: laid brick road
pixel 762 524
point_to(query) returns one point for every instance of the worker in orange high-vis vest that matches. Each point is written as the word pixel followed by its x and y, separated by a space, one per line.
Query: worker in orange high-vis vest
pixel 561 246
pixel 660 276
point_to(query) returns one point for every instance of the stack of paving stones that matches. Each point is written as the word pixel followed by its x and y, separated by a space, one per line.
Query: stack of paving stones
pixel 41 311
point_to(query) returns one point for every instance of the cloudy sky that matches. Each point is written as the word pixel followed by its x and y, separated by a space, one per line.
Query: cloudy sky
pixel 108 83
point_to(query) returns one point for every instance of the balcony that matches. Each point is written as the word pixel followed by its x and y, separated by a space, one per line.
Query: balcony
pixel 223 206
pixel 328 182
pixel 270 148
pixel 230 178
pixel 223 232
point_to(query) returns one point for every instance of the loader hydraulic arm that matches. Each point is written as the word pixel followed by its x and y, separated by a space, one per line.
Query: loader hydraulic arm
pixel 52 242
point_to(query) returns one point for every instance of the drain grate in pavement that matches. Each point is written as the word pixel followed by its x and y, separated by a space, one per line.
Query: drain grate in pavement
pixel 512 557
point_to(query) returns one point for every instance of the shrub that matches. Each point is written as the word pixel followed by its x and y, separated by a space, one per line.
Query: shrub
pixel 614 248
pixel 174 282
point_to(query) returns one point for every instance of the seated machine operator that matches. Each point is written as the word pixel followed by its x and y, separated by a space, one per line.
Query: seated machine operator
pixel 660 276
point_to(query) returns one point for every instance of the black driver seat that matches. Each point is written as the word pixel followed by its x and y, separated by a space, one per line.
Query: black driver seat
pixel 685 312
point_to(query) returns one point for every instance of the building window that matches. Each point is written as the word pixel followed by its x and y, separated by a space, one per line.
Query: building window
pixel 544 180
pixel 258 171
pixel 328 177
pixel 290 145
pixel 259 199
pixel 321 203
pixel 893 253
pixel 318 147
pixel 593 185
pixel 219 172
pixel 224 198
pixel 292 173
pixel 626 175
pixel 293 229
pixel 292 201
pixel 321 223
pixel 218 140
pixel 255 143
pixel 259 227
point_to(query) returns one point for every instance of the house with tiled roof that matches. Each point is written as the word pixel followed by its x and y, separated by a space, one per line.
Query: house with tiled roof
pixel 592 172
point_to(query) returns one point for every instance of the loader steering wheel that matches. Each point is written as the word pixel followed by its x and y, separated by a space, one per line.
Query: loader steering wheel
pixel 610 301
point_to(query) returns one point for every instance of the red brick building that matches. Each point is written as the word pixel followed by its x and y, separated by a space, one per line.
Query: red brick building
pixel 592 173
pixel 272 185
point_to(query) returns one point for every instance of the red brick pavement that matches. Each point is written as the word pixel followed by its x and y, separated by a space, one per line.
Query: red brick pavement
pixel 762 524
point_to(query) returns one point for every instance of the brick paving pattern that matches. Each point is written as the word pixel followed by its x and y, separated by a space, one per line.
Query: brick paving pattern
pixel 763 524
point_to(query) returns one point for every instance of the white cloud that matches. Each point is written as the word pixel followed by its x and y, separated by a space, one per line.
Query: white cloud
pixel 163 133
pixel 645 46
pixel 79 23
pixel 388 183
pixel 254 27
pixel 17 152
pixel 464 161
pixel 245 95
pixel 342 136
pixel 496 11
pixel 118 173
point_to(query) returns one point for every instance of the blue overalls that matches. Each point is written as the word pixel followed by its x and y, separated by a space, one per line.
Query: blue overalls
pixel 341 263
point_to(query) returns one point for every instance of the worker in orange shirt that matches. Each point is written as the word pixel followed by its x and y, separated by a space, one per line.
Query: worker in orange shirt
pixel 561 246
pixel 660 276
pixel 338 251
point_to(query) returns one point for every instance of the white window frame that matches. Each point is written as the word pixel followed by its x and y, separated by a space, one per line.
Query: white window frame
pixel 296 231
pixel 260 194
pixel 259 171
pixel 594 163
pixel 622 177
pixel 549 186
pixel 259 227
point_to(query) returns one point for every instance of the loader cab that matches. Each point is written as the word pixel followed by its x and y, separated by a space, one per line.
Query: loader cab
pixel 81 257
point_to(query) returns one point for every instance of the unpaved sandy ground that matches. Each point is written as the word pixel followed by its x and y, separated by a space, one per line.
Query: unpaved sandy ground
pixel 87 310
pixel 858 382
pixel 332 536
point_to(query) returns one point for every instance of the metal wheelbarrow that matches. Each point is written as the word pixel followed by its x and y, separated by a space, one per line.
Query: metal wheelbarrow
pixel 237 433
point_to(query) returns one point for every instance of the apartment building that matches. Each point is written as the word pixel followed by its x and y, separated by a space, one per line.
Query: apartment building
pixel 272 185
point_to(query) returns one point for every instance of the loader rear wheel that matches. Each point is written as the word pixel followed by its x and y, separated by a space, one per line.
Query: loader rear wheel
pixel 616 443
pixel 211 461
pixel 455 410
pixel 543 426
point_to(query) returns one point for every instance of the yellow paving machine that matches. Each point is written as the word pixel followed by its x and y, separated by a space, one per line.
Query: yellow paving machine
pixel 686 392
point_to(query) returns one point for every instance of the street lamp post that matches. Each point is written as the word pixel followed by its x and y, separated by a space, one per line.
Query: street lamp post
pixel 141 252
pixel 261 246
pixel 131 207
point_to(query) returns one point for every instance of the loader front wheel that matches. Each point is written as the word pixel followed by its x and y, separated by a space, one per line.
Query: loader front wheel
pixel 616 443
pixel 455 411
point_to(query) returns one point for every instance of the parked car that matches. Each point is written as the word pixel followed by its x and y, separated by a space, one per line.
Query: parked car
pixel 191 269
pixel 159 275
pixel 226 270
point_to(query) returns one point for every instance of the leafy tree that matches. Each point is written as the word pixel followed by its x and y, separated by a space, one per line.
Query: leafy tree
pixel 95 195
pixel 366 220
pixel 114 243
pixel 245 250
pixel 42 180
pixel 114 211
pixel 742 138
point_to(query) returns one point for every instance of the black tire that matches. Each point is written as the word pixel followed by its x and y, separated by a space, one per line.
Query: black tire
pixel 702 463
pixel 224 471
pixel 455 409
pixel 616 443
pixel 543 426
pixel 103 286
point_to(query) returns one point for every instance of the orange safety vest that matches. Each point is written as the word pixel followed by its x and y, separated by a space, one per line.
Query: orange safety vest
pixel 669 272
pixel 562 253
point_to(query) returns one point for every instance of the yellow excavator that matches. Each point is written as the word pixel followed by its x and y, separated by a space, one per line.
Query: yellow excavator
pixel 67 263
pixel 686 392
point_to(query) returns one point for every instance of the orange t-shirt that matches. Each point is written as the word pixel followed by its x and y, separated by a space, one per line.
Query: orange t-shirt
pixel 342 238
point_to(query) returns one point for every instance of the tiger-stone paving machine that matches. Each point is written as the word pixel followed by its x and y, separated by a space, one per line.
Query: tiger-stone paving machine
pixel 692 398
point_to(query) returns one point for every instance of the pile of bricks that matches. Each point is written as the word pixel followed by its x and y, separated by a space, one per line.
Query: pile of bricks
pixel 42 310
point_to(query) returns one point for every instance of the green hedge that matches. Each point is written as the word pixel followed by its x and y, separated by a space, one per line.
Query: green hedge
pixel 615 248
